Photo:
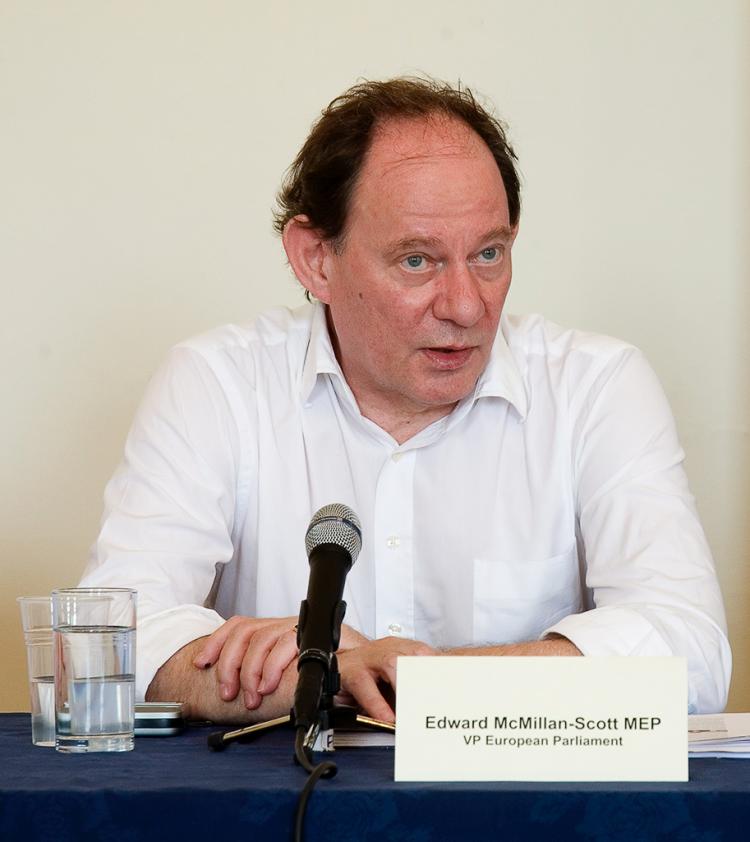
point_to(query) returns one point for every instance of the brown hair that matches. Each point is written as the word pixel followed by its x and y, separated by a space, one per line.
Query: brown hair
pixel 321 179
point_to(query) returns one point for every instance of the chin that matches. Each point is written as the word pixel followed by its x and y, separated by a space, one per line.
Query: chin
pixel 444 395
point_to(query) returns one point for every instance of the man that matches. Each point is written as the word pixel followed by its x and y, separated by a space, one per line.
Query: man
pixel 520 486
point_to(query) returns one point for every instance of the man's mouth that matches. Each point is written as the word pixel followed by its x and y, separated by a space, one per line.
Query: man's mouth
pixel 449 357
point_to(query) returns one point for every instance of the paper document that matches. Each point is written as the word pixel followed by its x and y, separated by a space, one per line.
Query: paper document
pixel 712 735
pixel 356 739
pixel 719 735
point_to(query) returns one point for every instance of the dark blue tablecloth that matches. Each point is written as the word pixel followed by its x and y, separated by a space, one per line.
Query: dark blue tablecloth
pixel 175 788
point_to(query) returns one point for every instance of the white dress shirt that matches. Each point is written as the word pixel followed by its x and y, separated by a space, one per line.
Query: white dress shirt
pixel 552 498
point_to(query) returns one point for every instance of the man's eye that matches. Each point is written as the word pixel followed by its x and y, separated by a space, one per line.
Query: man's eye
pixel 489 255
pixel 414 261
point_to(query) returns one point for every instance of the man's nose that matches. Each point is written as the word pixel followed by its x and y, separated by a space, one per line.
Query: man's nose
pixel 458 298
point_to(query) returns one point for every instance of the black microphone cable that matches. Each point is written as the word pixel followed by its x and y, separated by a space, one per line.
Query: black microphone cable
pixel 325 769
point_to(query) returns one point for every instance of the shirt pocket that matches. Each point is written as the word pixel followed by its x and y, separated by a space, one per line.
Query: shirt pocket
pixel 518 600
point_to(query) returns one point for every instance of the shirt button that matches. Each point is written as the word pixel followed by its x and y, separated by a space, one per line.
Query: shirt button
pixel 393 542
pixel 394 628
pixel 396 456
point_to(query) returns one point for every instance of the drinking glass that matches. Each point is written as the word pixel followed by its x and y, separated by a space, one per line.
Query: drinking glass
pixel 94 643
pixel 36 616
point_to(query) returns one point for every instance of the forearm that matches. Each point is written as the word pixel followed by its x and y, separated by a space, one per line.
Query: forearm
pixel 198 689
pixel 552 646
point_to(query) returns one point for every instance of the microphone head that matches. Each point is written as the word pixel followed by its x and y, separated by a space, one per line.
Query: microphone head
pixel 335 524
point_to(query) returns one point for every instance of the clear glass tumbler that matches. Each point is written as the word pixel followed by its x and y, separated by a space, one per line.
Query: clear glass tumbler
pixel 94 642
pixel 36 616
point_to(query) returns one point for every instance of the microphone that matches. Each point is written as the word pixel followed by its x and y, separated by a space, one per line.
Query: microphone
pixel 333 541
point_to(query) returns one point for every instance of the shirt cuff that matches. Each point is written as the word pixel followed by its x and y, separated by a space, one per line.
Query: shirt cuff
pixel 623 630
pixel 162 634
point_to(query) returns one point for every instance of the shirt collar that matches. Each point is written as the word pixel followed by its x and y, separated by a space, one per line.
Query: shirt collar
pixel 320 357
pixel 501 377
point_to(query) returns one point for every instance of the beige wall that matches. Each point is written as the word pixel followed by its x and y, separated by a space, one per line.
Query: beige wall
pixel 141 144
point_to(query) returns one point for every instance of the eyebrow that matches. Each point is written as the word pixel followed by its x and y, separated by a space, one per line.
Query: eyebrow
pixel 412 243
pixel 502 233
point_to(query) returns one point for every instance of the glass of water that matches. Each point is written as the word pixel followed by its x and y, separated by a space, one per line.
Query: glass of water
pixel 36 616
pixel 94 643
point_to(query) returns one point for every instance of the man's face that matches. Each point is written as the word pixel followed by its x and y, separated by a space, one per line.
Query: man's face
pixel 416 291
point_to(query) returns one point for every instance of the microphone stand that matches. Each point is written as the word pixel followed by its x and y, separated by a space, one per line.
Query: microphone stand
pixel 333 541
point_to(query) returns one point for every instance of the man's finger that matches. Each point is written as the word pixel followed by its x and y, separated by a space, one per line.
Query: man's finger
pixel 389 669
pixel 214 643
pixel 212 646
pixel 365 690
pixel 230 661
pixel 278 659
pixel 253 662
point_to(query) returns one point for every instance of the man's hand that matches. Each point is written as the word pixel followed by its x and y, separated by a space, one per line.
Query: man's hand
pixel 178 680
pixel 251 655
pixel 365 668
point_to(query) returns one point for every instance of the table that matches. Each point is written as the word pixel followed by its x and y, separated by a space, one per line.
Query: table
pixel 175 788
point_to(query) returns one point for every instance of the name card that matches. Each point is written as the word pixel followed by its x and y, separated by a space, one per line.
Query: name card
pixel 484 718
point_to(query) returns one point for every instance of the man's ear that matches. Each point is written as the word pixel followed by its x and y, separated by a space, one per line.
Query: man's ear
pixel 306 251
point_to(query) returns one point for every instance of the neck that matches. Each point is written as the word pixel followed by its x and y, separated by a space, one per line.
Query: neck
pixel 404 425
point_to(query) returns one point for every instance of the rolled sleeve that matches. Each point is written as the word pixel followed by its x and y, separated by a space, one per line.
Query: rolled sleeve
pixel 160 635
pixel 648 567
pixel 648 632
